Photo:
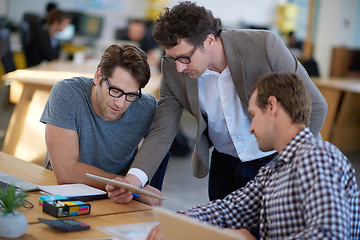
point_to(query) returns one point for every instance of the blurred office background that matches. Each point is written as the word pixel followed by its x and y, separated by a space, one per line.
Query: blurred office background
pixel 327 32
pixel 321 24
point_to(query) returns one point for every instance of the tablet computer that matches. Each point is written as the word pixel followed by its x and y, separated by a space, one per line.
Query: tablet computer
pixel 126 186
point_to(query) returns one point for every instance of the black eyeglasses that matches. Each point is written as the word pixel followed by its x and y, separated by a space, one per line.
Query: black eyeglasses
pixel 185 60
pixel 116 93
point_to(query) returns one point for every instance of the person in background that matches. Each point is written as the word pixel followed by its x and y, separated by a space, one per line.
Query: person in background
pixel 48 47
pixel 136 31
pixel 96 125
pixel 48 8
pixel 293 42
pixel 294 45
pixel 139 32
pixel 309 190
pixel 209 71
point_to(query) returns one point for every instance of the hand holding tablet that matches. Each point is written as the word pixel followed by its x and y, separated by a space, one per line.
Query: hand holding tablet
pixel 126 186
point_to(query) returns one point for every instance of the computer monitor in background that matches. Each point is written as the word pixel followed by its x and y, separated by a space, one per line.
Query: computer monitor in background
pixel 90 26
pixel 75 20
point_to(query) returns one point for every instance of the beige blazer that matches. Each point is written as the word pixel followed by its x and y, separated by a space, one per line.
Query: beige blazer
pixel 250 54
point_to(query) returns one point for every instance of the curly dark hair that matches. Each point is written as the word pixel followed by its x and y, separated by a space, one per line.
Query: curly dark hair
pixel 185 21
pixel 129 57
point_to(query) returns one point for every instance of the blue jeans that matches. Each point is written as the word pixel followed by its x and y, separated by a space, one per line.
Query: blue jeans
pixel 228 173
pixel 158 178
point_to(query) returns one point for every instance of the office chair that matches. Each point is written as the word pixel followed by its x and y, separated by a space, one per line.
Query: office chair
pixel 121 34
pixel 5 51
pixel 27 34
pixel 34 21
pixel 26 38
pixel 7 63
pixel 311 67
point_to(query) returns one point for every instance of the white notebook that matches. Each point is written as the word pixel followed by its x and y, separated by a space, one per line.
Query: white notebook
pixel 77 191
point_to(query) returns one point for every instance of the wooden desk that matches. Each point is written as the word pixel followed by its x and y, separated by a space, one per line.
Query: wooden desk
pixel 25 170
pixel 103 212
pixel 25 136
pixel 42 231
pixel 342 123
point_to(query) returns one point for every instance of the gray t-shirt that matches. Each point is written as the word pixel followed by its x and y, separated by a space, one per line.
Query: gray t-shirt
pixel 108 145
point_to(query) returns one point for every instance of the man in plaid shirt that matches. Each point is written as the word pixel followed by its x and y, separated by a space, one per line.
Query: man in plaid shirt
pixel 308 191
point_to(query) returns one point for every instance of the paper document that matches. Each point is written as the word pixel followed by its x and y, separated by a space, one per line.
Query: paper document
pixel 135 231
pixel 72 190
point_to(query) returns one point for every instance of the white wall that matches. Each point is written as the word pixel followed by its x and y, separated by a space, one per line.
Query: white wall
pixel 347 22
pixel 327 32
pixel 232 12
pixel 356 38
pixel 3 7
pixel 235 12
pixel 336 27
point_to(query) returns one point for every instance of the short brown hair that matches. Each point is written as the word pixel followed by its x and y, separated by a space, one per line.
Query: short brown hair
pixel 289 90
pixel 56 15
pixel 129 57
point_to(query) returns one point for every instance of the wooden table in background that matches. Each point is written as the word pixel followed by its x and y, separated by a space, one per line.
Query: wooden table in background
pixel 104 212
pixel 342 123
pixel 41 78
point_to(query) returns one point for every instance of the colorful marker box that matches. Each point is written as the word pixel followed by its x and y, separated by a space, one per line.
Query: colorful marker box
pixel 65 208
pixel 50 198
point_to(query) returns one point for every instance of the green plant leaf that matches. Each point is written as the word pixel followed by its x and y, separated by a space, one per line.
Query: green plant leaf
pixel 11 199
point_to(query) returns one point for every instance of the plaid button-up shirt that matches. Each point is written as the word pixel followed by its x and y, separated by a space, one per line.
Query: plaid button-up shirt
pixel 308 191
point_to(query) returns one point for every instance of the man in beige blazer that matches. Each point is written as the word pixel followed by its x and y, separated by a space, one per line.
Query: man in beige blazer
pixel 209 71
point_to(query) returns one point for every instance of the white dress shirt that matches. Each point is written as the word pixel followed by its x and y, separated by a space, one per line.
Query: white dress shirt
pixel 228 124
pixel 139 174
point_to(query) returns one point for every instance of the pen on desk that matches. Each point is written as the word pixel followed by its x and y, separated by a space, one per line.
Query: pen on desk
pixel 136 195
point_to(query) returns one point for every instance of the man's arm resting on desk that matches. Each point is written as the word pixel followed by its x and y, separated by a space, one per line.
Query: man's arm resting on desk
pixel 63 149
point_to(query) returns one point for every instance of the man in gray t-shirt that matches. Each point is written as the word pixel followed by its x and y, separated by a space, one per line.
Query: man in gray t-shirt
pixel 96 125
